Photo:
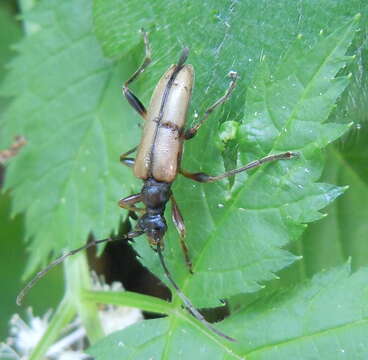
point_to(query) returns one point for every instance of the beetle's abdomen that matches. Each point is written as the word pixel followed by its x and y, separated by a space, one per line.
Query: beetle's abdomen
pixel 159 152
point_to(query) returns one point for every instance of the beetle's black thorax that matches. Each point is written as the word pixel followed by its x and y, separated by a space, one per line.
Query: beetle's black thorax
pixel 155 195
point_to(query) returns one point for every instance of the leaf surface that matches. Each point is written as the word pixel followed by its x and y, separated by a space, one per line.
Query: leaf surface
pixel 237 234
pixel 325 318
pixel 68 105
pixel 72 187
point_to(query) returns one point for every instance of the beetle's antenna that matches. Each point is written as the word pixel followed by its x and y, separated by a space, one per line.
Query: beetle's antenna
pixel 183 57
pixel 60 259
pixel 187 303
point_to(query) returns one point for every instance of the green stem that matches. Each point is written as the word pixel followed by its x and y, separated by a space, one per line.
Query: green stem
pixel 77 281
pixel 131 299
pixel 63 315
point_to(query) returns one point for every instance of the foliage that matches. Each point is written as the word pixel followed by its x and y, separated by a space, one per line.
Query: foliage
pixel 66 87
pixel 325 318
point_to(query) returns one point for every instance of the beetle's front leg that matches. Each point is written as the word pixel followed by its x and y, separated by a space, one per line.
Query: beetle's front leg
pixel 180 226
pixel 190 133
pixel 130 201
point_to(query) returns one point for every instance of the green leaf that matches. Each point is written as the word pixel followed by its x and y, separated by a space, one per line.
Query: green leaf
pixel 344 230
pixel 325 318
pixel 68 178
pixel 68 105
pixel 237 234
pixel 12 254
pixel 76 179
pixel 237 35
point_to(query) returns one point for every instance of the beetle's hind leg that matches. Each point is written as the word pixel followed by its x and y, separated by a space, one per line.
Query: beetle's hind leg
pixel 190 133
pixel 180 226
pixel 132 99
pixel 202 177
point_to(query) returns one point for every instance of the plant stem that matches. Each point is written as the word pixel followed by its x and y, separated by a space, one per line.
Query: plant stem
pixel 131 299
pixel 63 315
pixel 78 280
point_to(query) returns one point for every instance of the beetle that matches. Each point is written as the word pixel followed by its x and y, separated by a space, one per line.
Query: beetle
pixel 158 162
pixel 160 151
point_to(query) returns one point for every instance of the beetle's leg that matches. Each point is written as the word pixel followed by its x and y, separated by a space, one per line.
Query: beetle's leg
pixel 201 177
pixel 129 201
pixel 180 226
pixel 13 150
pixel 132 99
pixel 190 133
pixel 127 160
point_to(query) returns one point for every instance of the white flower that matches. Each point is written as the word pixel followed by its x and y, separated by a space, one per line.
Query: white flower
pixel 25 335
pixel 114 318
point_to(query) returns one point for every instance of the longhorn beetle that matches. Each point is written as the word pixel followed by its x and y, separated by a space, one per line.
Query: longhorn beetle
pixel 158 162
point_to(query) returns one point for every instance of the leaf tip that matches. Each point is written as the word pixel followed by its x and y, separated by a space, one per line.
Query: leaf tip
pixel 299 36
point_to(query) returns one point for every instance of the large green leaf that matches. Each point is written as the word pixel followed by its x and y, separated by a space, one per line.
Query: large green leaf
pixel 213 29
pixel 72 120
pixel 68 105
pixel 252 29
pixel 244 31
pixel 325 318
pixel 236 235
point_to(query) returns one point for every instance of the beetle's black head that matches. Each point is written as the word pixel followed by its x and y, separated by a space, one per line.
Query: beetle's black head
pixel 154 225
